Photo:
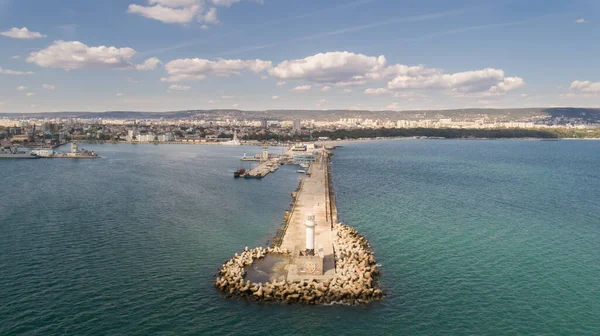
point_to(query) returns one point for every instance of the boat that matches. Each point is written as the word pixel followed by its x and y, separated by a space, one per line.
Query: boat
pixel 301 171
pixel 13 153
pixel 240 172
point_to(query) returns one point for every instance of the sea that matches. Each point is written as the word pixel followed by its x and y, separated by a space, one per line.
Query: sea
pixel 473 237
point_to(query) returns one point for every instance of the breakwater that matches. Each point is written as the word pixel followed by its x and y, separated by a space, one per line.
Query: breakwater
pixel 342 269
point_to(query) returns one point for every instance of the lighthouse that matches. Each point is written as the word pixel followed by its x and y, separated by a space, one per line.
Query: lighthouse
pixel 310 234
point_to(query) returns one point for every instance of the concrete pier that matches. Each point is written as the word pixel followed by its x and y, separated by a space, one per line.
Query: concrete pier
pixel 341 269
pixel 263 169
pixel 312 198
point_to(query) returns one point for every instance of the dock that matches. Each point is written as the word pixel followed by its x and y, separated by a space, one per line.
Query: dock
pixel 263 169
pixel 312 198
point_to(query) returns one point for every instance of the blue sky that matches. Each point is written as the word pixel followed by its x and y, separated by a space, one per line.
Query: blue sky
pixel 160 55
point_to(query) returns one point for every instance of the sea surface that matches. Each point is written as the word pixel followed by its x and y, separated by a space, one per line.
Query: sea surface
pixel 473 238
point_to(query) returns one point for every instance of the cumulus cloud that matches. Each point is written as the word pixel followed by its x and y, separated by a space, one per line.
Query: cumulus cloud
pixel 280 83
pixel 149 64
pixel 487 80
pixel 119 94
pixel 586 87
pixel 325 88
pixel 168 11
pixel 228 3
pixel 197 69
pixel 71 55
pixel 30 94
pixel 14 72
pixel 209 17
pixel 49 87
pixel 581 20
pixel 22 33
pixel 392 106
pixel 377 91
pixel 347 90
pixel 179 87
pixel 21 88
pixel 235 105
pixel 301 88
pixel 275 98
pixel 341 68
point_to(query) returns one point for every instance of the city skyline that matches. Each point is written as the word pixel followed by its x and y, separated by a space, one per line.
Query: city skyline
pixel 161 55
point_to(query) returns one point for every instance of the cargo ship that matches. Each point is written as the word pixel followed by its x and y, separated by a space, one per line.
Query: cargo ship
pixel 14 153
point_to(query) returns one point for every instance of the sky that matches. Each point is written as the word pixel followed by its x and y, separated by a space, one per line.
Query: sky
pixel 168 55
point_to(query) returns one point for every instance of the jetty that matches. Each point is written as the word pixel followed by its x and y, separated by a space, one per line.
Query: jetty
pixel 317 261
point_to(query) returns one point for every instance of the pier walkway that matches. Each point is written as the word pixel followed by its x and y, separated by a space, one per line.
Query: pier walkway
pixel 312 198
pixel 263 169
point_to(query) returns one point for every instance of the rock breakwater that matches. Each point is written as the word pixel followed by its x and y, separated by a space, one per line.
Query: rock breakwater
pixel 354 282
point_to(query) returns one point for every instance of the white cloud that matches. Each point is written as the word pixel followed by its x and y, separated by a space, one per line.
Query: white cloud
pixel 119 94
pixel 30 94
pixel 264 77
pixel 211 101
pixel 228 97
pixel 235 105
pixel 586 87
pixel 228 3
pixel 22 33
pixel 524 95
pixel 508 84
pixel 168 12
pixel 173 3
pixel 325 88
pixel 581 20
pixel 204 27
pixel 377 91
pixel 16 57
pixel 301 88
pixel 342 68
pixel 149 64
pixel 70 55
pixel 280 83
pixel 33 105
pixel 179 88
pixel 347 90
pixel 392 106
pixel 22 88
pixel 275 98
pixel 197 69
pixel 209 17
pixel 14 72
pixel 487 80
pixel 49 87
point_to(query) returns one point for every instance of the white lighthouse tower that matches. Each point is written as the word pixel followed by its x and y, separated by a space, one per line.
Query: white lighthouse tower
pixel 310 233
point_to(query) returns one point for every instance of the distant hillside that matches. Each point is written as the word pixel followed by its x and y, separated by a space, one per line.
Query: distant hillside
pixel 585 114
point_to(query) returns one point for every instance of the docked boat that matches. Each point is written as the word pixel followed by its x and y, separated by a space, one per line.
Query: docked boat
pixel 239 173
pixel 301 171
pixel 14 153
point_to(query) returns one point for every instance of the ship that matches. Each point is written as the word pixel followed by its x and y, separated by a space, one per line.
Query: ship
pixel 14 153
pixel 240 172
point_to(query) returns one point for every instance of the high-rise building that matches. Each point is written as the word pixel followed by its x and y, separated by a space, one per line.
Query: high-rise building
pixel 264 124
pixel 297 126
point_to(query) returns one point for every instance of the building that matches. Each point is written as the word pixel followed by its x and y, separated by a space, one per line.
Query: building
pixel 297 126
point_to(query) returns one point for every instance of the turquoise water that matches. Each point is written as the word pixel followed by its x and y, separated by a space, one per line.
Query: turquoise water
pixel 474 238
